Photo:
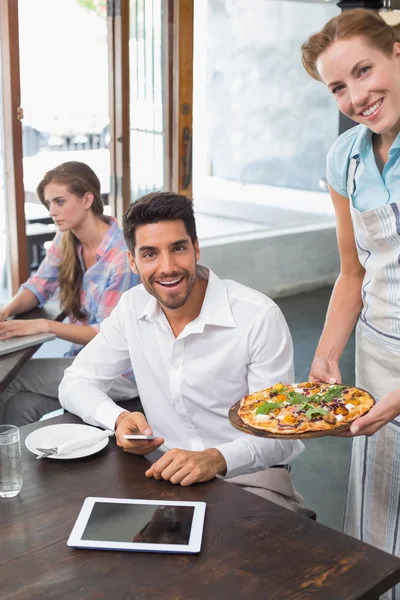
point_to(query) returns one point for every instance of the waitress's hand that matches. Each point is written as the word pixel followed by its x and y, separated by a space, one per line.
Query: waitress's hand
pixel 380 414
pixel 15 328
pixel 325 370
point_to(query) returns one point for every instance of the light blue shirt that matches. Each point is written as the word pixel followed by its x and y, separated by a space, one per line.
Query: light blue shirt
pixel 372 189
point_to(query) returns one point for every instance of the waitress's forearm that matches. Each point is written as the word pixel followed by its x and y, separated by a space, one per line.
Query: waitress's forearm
pixel 77 334
pixel 25 300
pixel 343 311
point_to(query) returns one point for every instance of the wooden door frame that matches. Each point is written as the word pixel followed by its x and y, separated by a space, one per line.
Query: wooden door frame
pixel 180 16
pixel 178 60
pixel 118 62
pixel 121 98
pixel 111 103
pixel 12 151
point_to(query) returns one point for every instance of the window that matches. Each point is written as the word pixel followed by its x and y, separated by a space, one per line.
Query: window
pixel 262 126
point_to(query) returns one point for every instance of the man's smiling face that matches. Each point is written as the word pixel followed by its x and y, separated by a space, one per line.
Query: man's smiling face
pixel 166 259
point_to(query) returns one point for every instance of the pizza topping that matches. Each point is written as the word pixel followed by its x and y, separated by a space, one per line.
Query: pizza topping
pixel 283 425
pixel 294 398
pixel 279 387
pixel 266 407
pixel 329 418
pixel 315 412
pixel 334 392
pixel 349 406
pixel 280 398
pixel 355 401
pixel 341 410
pixel 289 420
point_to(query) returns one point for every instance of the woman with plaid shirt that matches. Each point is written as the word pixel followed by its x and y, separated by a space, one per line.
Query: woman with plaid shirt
pixel 87 263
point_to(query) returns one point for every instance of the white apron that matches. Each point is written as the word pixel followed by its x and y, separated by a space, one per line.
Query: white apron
pixel 372 509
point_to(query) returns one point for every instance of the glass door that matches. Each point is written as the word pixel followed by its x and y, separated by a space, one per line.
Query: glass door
pixel 147 68
pixel 64 92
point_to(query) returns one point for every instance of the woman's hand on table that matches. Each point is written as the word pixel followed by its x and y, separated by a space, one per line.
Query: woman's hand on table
pixel 129 423
pixel 325 369
pixel 3 314
pixel 17 328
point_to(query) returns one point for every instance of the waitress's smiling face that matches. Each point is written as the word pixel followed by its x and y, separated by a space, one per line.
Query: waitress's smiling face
pixel 365 82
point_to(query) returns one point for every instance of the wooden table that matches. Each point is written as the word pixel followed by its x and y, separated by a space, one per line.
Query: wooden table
pixel 11 364
pixel 251 548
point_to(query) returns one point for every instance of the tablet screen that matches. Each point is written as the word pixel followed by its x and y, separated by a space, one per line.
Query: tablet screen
pixel 142 523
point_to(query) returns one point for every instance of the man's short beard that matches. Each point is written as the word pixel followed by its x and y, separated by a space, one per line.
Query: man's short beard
pixel 178 303
pixel 172 305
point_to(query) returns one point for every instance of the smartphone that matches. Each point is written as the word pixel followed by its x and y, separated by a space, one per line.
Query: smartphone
pixel 139 437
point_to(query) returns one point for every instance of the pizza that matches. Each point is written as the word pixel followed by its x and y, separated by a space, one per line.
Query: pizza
pixel 304 407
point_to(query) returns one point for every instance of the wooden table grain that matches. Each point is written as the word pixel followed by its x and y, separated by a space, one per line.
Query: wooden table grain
pixel 251 548
pixel 11 364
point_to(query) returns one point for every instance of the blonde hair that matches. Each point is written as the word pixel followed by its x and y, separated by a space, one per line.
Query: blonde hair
pixel 79 179
pixel 350 23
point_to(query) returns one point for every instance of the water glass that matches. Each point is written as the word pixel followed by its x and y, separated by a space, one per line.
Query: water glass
pixel 10 461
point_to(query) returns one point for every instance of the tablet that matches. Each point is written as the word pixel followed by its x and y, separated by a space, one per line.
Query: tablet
pixel 139 525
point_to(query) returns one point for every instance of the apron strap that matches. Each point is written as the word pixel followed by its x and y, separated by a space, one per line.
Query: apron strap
pixel 351 174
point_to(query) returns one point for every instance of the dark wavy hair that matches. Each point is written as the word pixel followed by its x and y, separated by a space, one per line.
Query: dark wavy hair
pixel 156 207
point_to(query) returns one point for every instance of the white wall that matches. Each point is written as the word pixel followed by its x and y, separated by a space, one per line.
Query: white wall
pixel 277 263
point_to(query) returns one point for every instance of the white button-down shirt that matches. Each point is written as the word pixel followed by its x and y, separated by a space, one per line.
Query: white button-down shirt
pixel 239 344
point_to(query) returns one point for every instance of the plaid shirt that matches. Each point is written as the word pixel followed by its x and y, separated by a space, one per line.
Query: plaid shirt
pixel 102 285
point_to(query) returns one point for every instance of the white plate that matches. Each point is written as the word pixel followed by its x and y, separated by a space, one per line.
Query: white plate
pixel 54 435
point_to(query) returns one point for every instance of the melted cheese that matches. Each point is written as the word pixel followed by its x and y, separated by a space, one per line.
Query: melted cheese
pixel 339 417
pixel 349 406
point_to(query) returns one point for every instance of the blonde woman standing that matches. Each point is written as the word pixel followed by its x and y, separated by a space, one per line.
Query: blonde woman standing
pixel 357 55
pixel 87 262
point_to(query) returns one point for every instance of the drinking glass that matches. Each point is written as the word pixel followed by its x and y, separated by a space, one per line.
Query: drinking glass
pixel 10 461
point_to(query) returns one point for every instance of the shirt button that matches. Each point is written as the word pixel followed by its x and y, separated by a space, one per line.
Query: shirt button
pixel 176 366
pixel 189 426
pixel 177 398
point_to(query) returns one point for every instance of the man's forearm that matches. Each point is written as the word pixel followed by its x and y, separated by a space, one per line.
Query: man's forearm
pixel 85 399
pixel 217 458
pixel 248 455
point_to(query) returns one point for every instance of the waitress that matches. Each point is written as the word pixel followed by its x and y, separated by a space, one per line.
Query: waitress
pixel 357 56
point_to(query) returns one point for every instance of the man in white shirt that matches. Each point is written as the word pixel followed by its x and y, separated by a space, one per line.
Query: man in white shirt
pixel 197 344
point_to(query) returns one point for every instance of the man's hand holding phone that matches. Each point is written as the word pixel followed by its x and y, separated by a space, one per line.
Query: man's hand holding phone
pixel 134 435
